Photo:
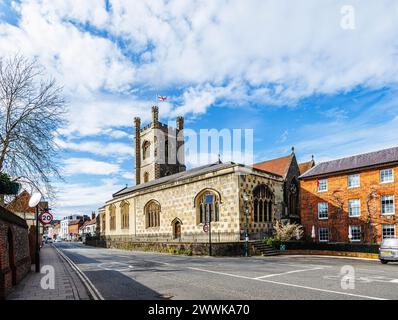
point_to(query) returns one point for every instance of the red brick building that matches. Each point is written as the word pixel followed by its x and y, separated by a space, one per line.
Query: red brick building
pixel 73 229
pixel 14 250
pixel 351 199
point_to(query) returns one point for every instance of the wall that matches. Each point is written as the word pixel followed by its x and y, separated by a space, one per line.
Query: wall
pixel 177 200
pixel 14 235
pixel 246 184
pixel 187 248
pixel 338 192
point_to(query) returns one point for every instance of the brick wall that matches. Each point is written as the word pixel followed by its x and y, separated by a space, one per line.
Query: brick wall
pixel 337 196
pixel 14 250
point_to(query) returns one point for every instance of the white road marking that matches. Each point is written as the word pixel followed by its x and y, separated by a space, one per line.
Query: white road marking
pixel 334 257
pixel 298 265
pixel 289 284
pixel 287 272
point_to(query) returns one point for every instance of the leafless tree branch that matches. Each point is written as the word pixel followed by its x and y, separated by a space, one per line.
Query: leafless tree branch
pixel 32 109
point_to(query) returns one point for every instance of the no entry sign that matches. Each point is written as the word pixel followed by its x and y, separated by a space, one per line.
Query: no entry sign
pixel 46 217
pixel 206 227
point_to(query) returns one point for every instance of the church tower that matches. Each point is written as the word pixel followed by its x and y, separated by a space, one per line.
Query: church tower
pixel 159 149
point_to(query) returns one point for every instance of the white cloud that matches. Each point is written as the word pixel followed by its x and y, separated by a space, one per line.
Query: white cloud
pixel 89 166
pixel 98 148
pixel 82 197
pixel 250 51
pixel 205 52
pixel 129 176
pixel 117 133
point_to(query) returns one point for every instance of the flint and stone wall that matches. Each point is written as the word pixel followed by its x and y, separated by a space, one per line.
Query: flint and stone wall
pixel 177 201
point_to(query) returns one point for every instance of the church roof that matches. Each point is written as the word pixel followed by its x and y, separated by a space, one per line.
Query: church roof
pixel 361 161
pixel 178 177
pixel 280 166
pixel 305 166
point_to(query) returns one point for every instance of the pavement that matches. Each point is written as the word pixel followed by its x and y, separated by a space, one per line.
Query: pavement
pixel 118 274
pixel 56 281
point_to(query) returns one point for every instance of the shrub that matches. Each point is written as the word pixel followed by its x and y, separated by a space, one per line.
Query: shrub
pixel 288 231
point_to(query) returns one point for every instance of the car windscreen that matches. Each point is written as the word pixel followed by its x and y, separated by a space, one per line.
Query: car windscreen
pixel 390 243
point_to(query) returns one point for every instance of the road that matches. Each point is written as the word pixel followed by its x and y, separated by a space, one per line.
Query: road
pixel 119 274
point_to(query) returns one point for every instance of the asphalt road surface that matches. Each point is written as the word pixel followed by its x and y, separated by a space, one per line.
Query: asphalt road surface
pixel 119 274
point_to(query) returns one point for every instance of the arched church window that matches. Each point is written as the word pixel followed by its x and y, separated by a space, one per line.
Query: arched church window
pixel 207 211
pixel 112 217
pixel 293 197
pixel 124 213
pixel 152 214
pixel 146 177
pixel 146 150
pixel 103 222
pixel 263 199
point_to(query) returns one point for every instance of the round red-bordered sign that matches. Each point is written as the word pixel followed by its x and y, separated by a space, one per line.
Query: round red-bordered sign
pixel 46 217
pixel 206 227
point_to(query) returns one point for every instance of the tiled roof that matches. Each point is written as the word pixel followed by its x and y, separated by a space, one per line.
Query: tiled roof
pixel 279 166
pixel 305 166
pixel 88 223
pixel 370 159
pixel 175 177
pixel 20 204
pixel 178 177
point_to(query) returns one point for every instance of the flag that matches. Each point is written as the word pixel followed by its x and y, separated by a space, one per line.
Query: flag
pixel 162 98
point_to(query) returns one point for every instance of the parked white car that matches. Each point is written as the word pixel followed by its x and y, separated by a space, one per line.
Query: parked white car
pixel 388 250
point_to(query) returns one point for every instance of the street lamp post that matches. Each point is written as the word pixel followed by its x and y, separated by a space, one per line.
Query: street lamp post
pixel 34 203
pixel 245 201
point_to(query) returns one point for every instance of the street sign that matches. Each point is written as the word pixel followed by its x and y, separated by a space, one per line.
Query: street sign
pixel 206 227
pixel 46 217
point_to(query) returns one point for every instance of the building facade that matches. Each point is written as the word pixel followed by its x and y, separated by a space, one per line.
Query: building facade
pixel 288 168
pixel 89 227
pixel 69 226
pixel 169 203
pixel 351 199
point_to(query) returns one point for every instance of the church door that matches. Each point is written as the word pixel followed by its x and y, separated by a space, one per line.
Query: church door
pixel 177 230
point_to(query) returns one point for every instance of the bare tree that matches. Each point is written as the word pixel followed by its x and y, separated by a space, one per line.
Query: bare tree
pixel 372 198
pixel 337 199
pixel 32 109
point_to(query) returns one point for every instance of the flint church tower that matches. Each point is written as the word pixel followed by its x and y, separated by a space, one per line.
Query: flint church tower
pixel 159 149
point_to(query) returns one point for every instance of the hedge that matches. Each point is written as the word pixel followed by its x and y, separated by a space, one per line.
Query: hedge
pixel 345 247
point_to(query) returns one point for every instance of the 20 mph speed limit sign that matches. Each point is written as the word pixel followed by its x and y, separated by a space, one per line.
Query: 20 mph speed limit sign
pixel 46 217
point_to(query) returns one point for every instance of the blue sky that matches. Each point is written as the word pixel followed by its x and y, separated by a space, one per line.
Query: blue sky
pixel 286 69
